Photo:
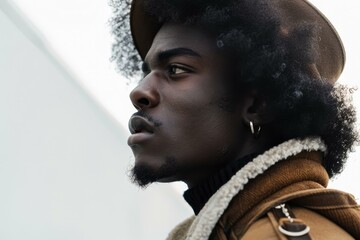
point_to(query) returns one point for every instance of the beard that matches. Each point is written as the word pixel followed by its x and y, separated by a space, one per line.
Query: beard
pixel 143 175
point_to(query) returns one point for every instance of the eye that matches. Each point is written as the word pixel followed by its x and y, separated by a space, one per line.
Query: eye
pixel 175 69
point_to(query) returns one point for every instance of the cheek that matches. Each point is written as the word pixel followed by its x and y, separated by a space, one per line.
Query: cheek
pixel 198 114
pixel 196 126
pixel 206 134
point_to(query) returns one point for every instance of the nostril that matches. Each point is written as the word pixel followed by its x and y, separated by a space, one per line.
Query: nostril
pixel 144 101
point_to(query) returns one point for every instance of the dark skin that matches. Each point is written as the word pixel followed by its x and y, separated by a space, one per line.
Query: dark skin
pixel 182 122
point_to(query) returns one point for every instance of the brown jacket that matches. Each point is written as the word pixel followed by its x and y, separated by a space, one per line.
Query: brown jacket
pixel 300 181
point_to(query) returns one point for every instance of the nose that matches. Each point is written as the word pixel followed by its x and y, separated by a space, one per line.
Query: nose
pixel 145 95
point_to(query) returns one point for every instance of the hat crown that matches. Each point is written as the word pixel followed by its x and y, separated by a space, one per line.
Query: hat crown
pixel 331 54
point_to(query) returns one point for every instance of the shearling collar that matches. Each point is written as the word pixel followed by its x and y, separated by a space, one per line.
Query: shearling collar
pixel 197 196
pixel 205 222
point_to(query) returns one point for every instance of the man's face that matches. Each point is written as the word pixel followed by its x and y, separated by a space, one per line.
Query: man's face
pixel 182 130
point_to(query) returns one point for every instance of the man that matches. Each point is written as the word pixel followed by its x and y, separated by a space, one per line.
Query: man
pixel 238 101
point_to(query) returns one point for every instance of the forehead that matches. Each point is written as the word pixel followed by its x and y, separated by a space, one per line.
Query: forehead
pixel 173 35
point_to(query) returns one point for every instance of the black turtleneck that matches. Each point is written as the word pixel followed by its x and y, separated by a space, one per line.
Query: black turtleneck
pixel 197 196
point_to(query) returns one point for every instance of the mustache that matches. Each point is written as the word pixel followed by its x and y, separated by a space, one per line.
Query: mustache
pixel 142 113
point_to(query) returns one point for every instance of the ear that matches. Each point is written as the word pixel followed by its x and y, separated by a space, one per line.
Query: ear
pixel 256 109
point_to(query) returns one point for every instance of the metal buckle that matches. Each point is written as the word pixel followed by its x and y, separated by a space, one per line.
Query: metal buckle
pixel 293 233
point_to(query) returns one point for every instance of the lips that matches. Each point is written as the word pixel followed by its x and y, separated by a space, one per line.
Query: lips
pixel 139 124
pixel 141 129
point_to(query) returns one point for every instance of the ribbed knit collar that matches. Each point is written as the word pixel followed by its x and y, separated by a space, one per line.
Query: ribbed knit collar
pixel 197 196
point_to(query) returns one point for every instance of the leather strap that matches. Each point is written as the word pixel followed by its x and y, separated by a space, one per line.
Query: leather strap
pixel 290 226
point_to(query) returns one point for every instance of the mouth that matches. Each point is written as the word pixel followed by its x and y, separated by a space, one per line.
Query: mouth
pixel 138 124
pixel 141 130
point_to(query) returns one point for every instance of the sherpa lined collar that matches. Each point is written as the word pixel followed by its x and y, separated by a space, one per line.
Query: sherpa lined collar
pixel 197 196
pixel 204 223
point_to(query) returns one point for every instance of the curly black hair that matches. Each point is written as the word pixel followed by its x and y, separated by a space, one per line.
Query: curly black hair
pixel 268 59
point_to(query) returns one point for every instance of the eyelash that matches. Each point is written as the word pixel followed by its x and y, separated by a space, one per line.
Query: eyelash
pixel 172 69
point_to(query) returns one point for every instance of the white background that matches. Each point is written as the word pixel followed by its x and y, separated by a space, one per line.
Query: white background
pixel 82 192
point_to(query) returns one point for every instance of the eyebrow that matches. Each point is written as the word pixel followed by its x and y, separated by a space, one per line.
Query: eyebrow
pixel 167 54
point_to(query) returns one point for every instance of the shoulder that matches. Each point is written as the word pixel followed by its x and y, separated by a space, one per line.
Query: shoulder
pixel 267 227
pixel 181 230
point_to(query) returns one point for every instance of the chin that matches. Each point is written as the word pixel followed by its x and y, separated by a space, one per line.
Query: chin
pixel 169 179
pixel 144 174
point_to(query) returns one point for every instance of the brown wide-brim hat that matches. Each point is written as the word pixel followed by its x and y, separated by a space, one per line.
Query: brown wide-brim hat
pixel 331 56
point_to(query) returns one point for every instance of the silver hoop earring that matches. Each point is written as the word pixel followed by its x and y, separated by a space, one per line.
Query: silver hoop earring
pixel 254 133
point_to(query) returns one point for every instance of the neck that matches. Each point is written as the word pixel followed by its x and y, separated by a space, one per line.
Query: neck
pixel 197 196
pixel 248 147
